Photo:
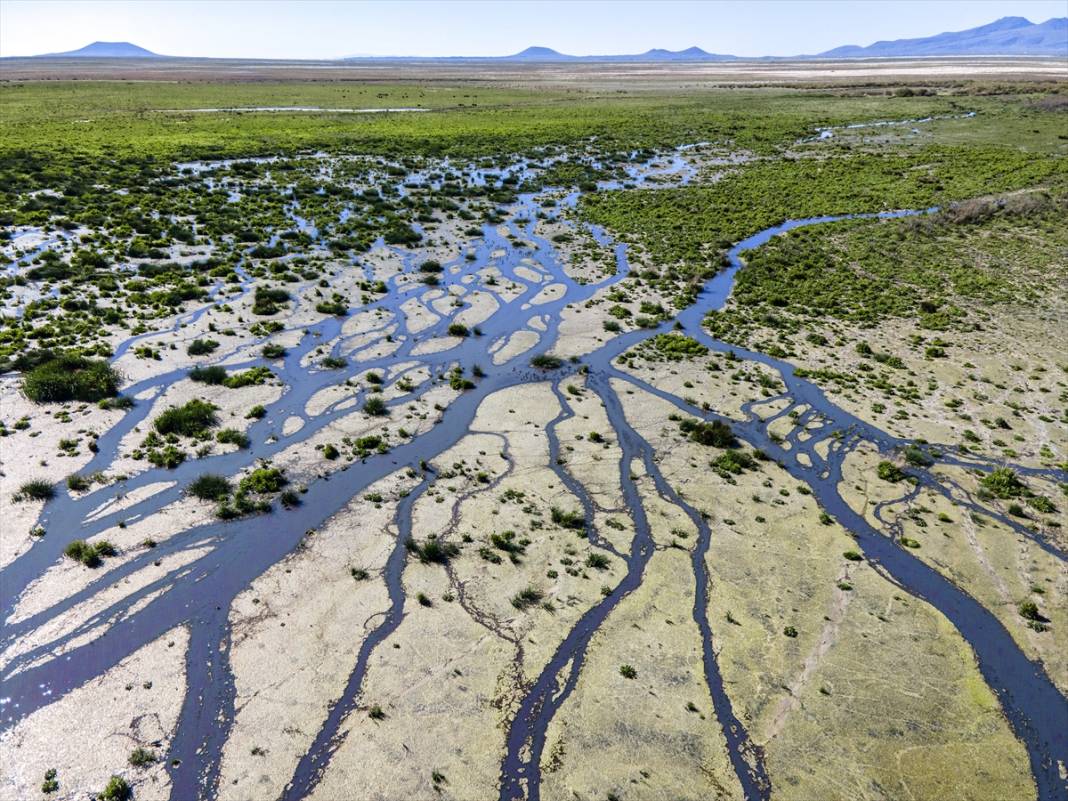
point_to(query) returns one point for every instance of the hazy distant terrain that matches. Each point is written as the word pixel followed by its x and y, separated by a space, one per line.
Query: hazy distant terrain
pixel 1008 36
pixel 519 429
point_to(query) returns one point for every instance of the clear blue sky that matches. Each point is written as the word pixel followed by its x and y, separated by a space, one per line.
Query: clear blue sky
pixel 332 28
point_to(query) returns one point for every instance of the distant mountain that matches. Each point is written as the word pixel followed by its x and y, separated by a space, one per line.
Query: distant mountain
pixel 538 54
pixel 106 50
pixel 548 55
pixel 1008 36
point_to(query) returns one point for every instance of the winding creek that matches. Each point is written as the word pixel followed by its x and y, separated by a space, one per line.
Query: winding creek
pixel 199 593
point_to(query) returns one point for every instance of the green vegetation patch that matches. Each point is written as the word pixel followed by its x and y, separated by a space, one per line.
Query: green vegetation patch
pixel 70 377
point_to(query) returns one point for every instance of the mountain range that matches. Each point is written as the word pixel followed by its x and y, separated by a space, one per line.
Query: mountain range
pixel 1008 36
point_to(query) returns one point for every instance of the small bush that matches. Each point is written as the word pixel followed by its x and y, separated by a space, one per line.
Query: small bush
pixel 527 597
pixel 256 413
pixel 191 419
pixel 77 483
pixel 36 489
pixel 263 481
pixel 209 487
pixel 733 462
pixel 70 377
pixel 715 434
pixel 231 436
pixel 572 520
pixel 208 375
pixel 201 347
pixel 598 561
pixel 332 307
pixel 545 362
pixel 273 351
pixel 1003 482
pixel 458 330
pixel 888 471
pixel 1029 610
pixel 628 672
pixel 247 378
pixel 433 550
pixel 117 789
pixel 375 406
pixel 50 783
pixel 89 555
pixel 140 757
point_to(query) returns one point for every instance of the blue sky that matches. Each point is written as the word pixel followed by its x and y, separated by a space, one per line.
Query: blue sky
pixel 332 28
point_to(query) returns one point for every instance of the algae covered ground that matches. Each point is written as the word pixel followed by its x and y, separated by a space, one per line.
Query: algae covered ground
pixel 553 437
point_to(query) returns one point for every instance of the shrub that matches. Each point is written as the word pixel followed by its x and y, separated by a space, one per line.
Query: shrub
pixel 506 541
pixel 265 301
pixel 50 783
pixel 263 480
pixel 572 520
pixel 191 419
pixel 458 330
pixel 89 555
pixel 77 483
pixel 273 351
pixel 119 402
pixel 256 412
pixel 852 556
pixel 169 457
pixel 430 266
pixel 527 597
pixel 375 406
pixel 140 757
pixel 714 434
pixel 917 457
pixel 1042 504
pixel 36 489
pixel 790 631
pixel 545 362
pixel 208 375
pixel 1029 610
pixel 1002 482
pixel 117 789
pixel 733 462
pixel 209 487
pixel 597 561
pixel 231 436
pixel 250 377
pixel 201 347
pixel 70 377
pixel 628 672
pixel 332 307
pixel 433 550
pixel 888 471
